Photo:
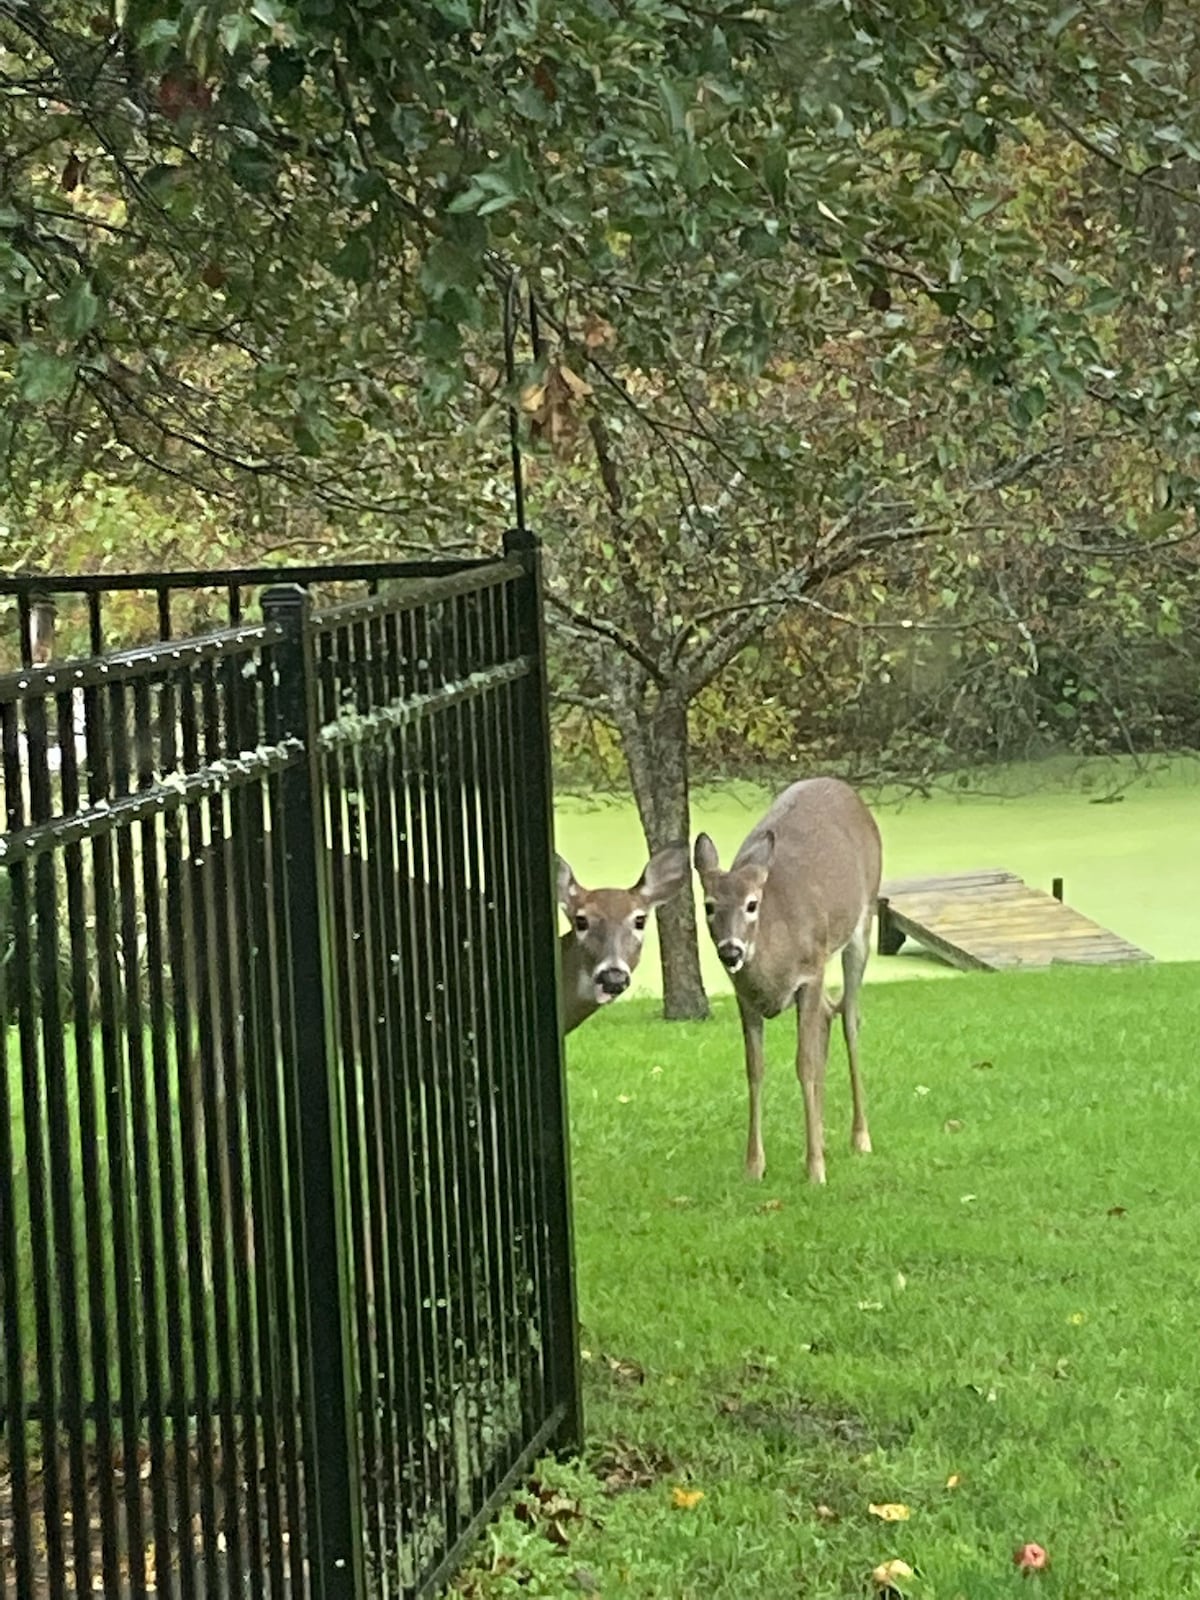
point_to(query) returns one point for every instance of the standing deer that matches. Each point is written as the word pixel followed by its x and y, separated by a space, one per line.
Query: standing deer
pixel 600 951
pixel 802 887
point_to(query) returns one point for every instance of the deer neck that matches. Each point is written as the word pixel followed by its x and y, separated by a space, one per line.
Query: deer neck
pixel 577 1007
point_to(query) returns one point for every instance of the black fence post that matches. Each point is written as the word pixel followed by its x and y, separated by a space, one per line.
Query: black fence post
pixel 552 1084
pixel 332 1473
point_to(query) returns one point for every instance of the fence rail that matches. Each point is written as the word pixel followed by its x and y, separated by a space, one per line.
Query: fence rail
pixel 286 1296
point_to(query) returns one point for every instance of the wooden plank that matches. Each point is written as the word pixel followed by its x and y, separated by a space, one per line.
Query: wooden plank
pixel 1019 927
pixel 998 934
pixel 950 880
pixel 953 953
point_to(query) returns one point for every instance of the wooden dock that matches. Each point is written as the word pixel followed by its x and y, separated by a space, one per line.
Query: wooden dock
pixel 991 920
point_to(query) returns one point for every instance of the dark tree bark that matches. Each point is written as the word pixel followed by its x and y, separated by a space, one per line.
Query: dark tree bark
pixel 654 736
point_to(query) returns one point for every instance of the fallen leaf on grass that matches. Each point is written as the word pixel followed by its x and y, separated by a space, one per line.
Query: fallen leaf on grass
pixel 771 1205
pixel 686 1499
pixel 952 1125
pixel 870 1305
pixel 623 1466
pixel 826 1513
pixel 968 1199
pixel 953 1481
pixel 1030 1558
pixel 1077 1318
pixel 625 1371
pixel 551 1512
pixel 982 1066
pixel 1116 1211
pixel 893 1511
pixel 889 1573
pixel 624 1099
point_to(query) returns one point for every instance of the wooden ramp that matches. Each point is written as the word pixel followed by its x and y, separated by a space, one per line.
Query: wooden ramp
pixel 992 920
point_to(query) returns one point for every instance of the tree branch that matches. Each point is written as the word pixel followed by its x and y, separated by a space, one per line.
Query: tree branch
pixel 601 628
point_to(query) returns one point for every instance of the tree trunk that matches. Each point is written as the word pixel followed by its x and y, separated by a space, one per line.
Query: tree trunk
pixel 655 741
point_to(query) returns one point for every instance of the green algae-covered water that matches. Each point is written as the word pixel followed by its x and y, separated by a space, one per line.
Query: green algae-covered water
pixel 1131 863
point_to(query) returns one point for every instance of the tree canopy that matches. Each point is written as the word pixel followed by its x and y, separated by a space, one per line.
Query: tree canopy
pixel 804 288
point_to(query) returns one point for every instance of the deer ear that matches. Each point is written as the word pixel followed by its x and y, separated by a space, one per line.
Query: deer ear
pixel 705 855
pixel 566 886
pixel 665 874
pixel 758 852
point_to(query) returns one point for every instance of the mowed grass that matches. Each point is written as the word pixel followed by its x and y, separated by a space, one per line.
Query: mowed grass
pixel 1003 1295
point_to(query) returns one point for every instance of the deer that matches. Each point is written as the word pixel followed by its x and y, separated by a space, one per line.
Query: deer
pixel 802 887
pixel 599 953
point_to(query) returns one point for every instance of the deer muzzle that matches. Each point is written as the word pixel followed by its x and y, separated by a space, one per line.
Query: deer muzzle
pixel 732 953
pixel 610 982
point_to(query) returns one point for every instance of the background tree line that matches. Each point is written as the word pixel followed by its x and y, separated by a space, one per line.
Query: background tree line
pixel 858 371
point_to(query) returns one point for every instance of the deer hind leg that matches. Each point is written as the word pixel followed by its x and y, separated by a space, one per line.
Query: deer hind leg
pixel 854 964
pixel 813 1016
pixel 752 1033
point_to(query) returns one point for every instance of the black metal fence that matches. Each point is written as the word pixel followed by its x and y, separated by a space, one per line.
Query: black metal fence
pixel 285 1261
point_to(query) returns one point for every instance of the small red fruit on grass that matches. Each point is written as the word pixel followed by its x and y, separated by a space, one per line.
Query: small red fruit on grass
pixel 1030 1558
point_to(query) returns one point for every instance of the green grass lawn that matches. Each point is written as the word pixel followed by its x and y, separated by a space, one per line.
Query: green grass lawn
pixel 1005 1293
pixel 1131 864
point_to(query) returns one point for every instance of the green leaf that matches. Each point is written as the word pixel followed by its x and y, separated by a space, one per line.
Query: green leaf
pixel 43 376
pixel 1064 19
pixel 252 168
pixel 79 309
pixel 163 30
pixel 441 341
pixel 449 266
pixel 676 119
pixel 496 203
pixel 775 173
pixel 531 103
pixel 456 12
pixel 233 32
pixel 1104 300
pixel 355 260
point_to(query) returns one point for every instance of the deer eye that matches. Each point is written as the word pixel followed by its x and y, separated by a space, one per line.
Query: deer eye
pixel 639 921
pixel 581 924
pixel 751 906
pixel 710 908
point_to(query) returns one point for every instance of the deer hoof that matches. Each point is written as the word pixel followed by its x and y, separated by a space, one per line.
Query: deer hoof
pixel 860 1143
pixel 755 1167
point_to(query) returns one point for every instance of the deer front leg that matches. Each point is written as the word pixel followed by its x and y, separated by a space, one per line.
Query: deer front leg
pixel 752 1034
pixel 813 1017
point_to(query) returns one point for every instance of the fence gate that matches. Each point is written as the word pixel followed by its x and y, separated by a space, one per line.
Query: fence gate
pixel 286 1279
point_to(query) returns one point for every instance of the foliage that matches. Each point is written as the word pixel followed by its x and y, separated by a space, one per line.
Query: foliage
pixel 947 1327
pixel 805 288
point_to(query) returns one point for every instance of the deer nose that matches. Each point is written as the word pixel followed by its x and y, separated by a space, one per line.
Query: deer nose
pixel 613 980
pixel 732 953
